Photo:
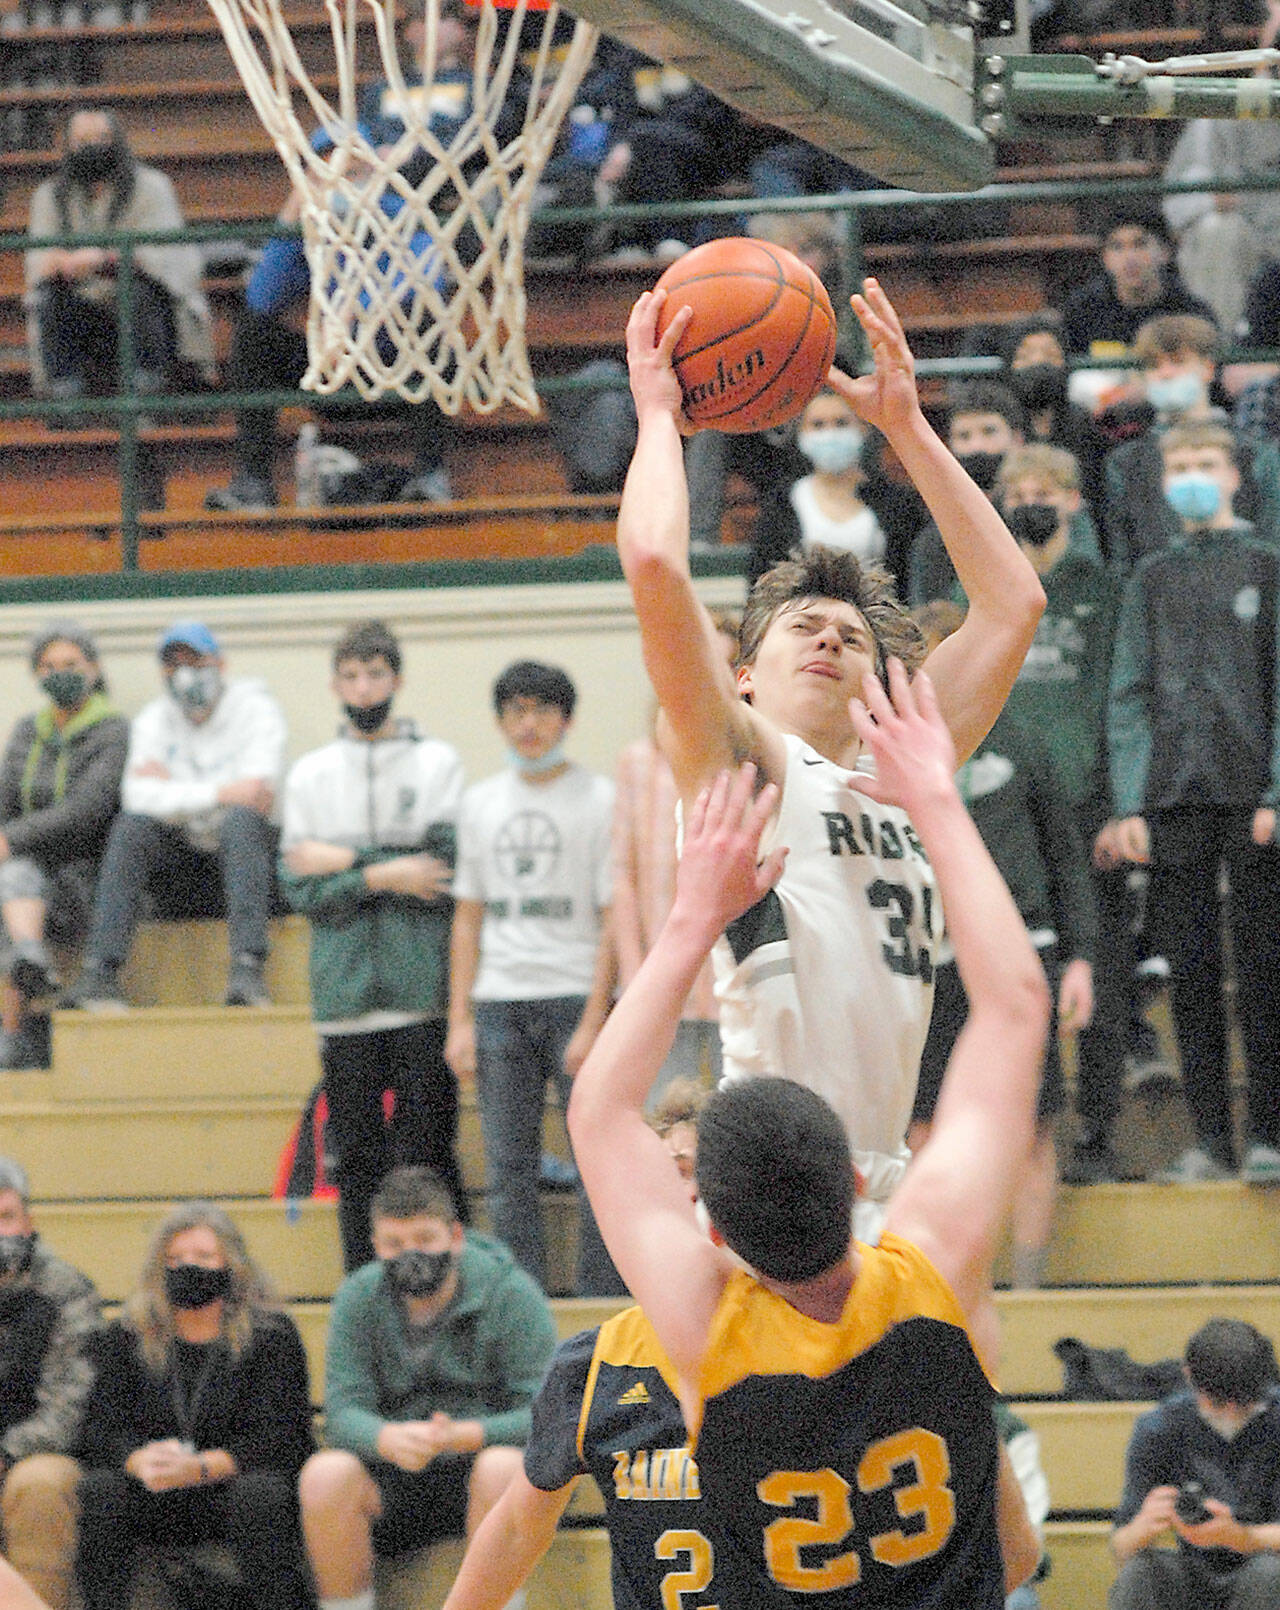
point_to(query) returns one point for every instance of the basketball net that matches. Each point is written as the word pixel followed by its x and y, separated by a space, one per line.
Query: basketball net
pixel 416 287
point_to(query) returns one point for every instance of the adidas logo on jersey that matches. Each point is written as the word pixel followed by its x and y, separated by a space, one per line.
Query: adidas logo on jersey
pixel 638 1393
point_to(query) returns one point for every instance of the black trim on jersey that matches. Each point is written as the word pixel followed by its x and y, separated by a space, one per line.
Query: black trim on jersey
pixel 765 923
pixel 551 1456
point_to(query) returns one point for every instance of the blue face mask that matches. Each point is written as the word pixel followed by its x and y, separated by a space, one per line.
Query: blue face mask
pixel 542 763
pixel 1193 496
pixel 831 451
pixel 1175 394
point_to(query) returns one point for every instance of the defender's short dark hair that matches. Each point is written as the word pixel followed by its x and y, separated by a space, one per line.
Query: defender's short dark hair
pixel 986 397
pixel 410 1193
pixel 366 640
pixel 776 1177
pixel 530 679
pixel 1231 1362
pixel 829 573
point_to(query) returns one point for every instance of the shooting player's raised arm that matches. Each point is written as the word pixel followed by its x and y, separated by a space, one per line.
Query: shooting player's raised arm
pixel 706 726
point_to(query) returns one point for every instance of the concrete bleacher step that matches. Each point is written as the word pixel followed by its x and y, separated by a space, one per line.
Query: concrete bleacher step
pixel 1150 1323
pixel 1083 1569
pixel 92 1150
pixel 160 1052
pixel 1150 1235
pixel 1082 1445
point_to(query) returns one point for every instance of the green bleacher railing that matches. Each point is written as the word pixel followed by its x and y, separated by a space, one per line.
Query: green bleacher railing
pixel 128 406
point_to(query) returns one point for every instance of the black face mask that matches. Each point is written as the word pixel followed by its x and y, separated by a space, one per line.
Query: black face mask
pixel 1033 523
pixel 982 467
pixel 66 689
pixel 418 1274
pixel 1039 385
pixel 15 1253
pixel 92 163
pixel 367 718
pixel 191 1285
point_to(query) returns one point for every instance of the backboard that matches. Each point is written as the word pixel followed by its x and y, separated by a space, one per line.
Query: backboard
pixel 887 85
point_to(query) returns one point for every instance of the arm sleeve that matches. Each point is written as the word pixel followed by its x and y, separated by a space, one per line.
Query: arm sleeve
pixel 551 1457
pixel 66 1378
pixel 264 739
pixel 1075 913
pixel 468 872
pixel 353 1417
pixel 777 531
pixel 167 799
pixel 1142 1470
pixel 12 766
pixel 522 1337
pixel 113 1424
pixel 1128 720
pixel 276 1435
pixel 85 810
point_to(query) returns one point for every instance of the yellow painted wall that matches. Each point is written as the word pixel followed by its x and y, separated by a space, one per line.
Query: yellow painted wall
pixel 456 641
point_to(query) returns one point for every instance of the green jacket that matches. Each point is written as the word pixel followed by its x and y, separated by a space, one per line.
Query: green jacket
pixel 1061 691
pixel 489 1349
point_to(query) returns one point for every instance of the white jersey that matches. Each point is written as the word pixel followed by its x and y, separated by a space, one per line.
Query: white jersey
pixel 538 856
pixel 829 979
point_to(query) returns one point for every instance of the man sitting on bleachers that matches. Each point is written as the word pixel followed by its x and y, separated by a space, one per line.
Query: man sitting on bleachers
pixel 48 1313
pixel 1204 1468
pixel 72 291
pixel 199 792
pixel 436 1349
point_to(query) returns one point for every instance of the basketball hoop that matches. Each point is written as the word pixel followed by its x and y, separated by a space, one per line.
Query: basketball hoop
pixel 415 247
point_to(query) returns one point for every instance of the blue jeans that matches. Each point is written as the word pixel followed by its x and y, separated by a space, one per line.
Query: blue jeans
pixel 519 1046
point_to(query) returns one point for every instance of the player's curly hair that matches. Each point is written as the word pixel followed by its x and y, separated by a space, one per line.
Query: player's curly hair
pixel 775 1175
pixel 828 573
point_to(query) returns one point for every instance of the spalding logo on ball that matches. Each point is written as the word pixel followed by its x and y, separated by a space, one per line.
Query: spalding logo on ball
pixel 762 336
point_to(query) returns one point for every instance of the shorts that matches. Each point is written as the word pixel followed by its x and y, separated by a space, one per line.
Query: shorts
pixel 420 1506
pixel 950 1008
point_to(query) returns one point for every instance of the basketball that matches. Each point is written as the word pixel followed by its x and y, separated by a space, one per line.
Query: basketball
pixel 761 339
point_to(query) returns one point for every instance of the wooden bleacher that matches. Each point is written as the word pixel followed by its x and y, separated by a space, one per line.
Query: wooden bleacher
pixel 179 1098
pixel 173 83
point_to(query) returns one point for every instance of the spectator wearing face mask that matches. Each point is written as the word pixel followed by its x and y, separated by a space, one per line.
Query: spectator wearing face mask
pixel 1194 738
pixel 199 1420
pixel 367 855
pixel 1034 356
pixel 1178 358
pixel 48 1317
pixel 71 290
pixel 59 790
pixel 825 507
pixel 985 422
pixel 195 832
pixel 435 1352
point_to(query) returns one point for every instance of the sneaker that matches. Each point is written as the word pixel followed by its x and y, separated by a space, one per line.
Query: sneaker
pixel 1193 1167
pixel 1261 1165
pixel 428 486
pixel 248 493
pixel 1092 1165
pixel 96 990
pixel 245 983
pixel 31 973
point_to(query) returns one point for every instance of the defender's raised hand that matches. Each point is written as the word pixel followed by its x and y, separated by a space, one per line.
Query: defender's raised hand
pixel 721 874
pixel 905 733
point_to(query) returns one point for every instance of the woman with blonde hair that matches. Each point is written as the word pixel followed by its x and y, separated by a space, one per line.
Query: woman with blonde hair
pixel 199 1421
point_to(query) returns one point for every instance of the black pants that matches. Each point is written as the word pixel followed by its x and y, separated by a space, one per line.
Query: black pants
pixel 1101 1047
pixel 143 853
pixel 254 1514
pixel 79 339
pixel 423 1128
pixel 266 355
pixel 1188 851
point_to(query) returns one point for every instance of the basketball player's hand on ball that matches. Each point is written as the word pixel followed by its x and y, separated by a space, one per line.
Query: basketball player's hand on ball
pixel 721 874
pixel 905 733
pixel 653 381
pixel 886 398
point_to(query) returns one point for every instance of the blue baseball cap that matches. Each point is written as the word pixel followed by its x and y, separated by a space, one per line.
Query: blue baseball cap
pixel 191 634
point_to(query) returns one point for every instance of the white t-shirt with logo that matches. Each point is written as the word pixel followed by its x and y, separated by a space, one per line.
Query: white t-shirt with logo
pixel 537 855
